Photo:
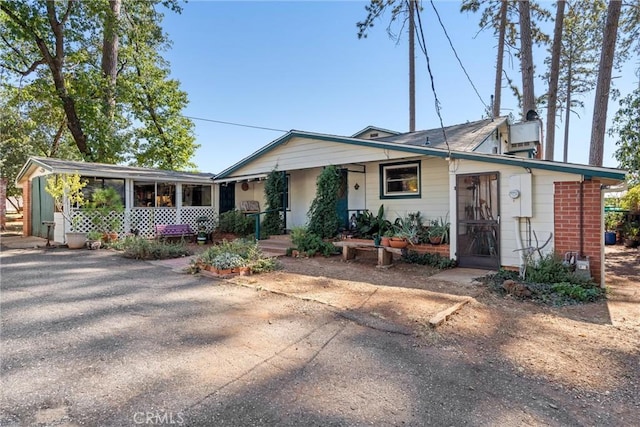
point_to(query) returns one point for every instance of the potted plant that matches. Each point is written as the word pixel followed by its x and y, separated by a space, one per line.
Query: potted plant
pixel 439 231
pixel 94 239
pixel 388 234
pixel 611 223
pixel 202 230
pixel 632 234
pixel 66 191
pixel 405 232
pixel 105 211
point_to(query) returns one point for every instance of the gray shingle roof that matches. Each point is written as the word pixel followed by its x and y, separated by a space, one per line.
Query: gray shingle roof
pixel 462 137
pixel 114 171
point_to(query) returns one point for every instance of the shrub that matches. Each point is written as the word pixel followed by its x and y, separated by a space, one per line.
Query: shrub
pixel 140 248
pixel 237 223
pixel 573 290
pixel 433 260
pixel 323 213
pixel 247 250
pixel 548 269
pixel 578 292
pixel 227 260
pixel 310 243
pixel 274 187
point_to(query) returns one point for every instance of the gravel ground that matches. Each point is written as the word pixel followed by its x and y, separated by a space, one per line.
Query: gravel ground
pixel 90 338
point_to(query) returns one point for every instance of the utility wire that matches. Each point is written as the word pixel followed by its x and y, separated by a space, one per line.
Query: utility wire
pixel 235 124
pixel 456 55
pixel 423 46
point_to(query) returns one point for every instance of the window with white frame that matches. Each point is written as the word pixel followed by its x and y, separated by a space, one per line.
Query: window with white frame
pixel 400 180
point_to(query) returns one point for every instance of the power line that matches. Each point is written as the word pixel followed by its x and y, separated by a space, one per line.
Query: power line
pixel 423 46
pixel 235 124
pixel 456 55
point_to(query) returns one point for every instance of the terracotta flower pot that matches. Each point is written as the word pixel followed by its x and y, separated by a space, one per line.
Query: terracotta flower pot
pixel 435 240
pixel 384 241
pixel 398 243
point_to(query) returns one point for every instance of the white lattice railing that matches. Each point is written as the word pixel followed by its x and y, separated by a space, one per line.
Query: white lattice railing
pixel 144 220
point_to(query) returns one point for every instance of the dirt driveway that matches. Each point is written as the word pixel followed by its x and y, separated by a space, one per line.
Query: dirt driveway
pixel 89 338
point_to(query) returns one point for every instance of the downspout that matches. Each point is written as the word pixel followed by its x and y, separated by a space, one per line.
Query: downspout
pixel 519 247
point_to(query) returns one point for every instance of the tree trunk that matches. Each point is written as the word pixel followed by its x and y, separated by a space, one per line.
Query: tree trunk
pixel 497 91
pixel 56 65
pixel 109 63
pixel 412 68
pixel 526 58
pixel 554 72
pixel 604 84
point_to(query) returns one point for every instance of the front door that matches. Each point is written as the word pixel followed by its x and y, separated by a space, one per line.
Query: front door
pixel 478 220
pixel 227 197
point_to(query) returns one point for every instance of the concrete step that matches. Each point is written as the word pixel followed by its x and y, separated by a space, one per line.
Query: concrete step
pixel 275 245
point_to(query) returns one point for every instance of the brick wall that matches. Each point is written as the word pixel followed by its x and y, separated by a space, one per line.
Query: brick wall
pixel 567 231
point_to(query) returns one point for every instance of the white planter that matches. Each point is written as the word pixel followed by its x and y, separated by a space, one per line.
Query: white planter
pixel 76 240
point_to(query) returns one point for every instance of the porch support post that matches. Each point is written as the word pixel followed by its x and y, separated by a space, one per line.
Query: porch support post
pixel 284 201
pixel 453 214
pixel 179 204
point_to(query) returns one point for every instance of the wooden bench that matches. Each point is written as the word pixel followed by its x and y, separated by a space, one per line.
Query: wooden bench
pixel 174 230
pixel 385 253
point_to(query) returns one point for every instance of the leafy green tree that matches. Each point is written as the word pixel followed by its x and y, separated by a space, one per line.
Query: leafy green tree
pixel 274 188
pixel 35 130
pixel 323 213
pixel 98 64
pixel 626 129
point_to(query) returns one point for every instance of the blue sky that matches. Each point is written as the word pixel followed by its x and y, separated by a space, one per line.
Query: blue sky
pixel 299 65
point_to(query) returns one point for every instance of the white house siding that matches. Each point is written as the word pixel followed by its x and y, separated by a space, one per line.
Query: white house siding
pixel 356 198
pixel 303 191
pixel 542 193
pixel 303 153
pixel 254 192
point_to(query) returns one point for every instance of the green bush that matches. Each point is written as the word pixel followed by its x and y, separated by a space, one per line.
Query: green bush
pixel 274 190
pixel 433 260
pixel 140 248
pixel 310 243
pixel 578 292
pixel 548 269
pixel 237 223
pixel 563 288
pixel 323 213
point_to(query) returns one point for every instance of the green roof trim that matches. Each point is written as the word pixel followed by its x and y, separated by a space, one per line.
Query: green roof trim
pixel 586 170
